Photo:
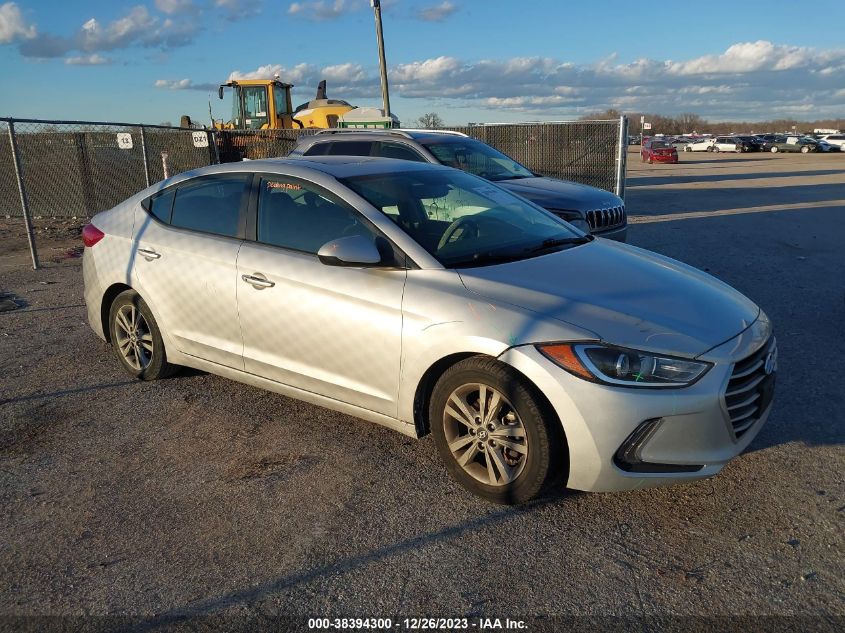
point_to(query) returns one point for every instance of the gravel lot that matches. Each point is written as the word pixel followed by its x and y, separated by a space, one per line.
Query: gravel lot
pixel 201 496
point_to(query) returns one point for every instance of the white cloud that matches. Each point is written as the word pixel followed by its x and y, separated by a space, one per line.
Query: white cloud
pixel 294 75
pixel 171 7
pixel 321 10
pixel 344 73
pixel 438 12
pixel 137 27
pixel 238 9
pixel 183 84
pixel 12 24
pixel 87 60
pixel 788 81
pixel 429 70
pixel 748 57
pixel 177 84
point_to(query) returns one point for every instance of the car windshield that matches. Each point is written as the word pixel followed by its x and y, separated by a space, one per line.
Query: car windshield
pixel 658 145
pixel 462 220
pixel 476 158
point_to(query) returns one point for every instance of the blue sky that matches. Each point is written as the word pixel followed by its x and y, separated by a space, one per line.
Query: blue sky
pixel 470 60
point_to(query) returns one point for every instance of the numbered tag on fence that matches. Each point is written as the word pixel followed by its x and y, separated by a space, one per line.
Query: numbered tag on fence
pixel 200 139
pixel 124 140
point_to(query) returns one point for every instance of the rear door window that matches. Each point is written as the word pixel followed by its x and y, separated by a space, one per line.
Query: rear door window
pixel 211 204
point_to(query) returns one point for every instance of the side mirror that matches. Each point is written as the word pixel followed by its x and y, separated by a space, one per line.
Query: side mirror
pixel 354 250
pixel 220 92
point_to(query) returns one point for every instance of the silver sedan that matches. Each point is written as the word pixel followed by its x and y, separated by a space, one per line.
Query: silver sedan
pixel 431 301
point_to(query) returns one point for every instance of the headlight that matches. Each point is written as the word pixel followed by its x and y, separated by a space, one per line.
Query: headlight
pixel 574 218
pixel 623 367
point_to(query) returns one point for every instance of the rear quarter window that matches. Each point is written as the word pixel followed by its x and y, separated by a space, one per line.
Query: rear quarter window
pixel 211 204
pixel 350 148
pixel 160 205
pixel 319 149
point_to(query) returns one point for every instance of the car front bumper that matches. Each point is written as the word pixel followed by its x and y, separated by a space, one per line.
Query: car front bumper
pixel 684 434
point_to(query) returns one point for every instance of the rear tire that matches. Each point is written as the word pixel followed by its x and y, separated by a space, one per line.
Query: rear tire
pixel 136 338
pixel 805 150
pixel 509 457
pixel 774 149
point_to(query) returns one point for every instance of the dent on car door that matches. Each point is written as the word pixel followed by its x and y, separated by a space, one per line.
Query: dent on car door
pixel 331 330
pixel 187 243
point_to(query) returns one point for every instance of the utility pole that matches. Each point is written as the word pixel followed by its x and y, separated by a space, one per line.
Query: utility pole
pixel 385 97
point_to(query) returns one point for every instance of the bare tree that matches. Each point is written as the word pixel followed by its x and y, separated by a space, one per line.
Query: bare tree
pixel 430 121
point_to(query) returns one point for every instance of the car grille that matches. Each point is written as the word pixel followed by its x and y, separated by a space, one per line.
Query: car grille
pixel 750 388
pixel 600 219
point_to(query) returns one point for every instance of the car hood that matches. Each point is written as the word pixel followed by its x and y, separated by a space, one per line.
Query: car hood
pixel 627 296
pixel 552 193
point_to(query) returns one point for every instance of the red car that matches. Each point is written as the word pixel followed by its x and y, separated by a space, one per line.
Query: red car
pixel 658 151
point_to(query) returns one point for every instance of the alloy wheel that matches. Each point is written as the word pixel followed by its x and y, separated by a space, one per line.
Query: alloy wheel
pixel 133 337
pixel 485 434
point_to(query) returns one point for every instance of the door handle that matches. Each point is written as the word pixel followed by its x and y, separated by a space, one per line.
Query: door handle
pixel 258 281
pixel 148 254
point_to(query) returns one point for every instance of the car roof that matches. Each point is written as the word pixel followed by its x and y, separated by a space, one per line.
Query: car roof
pixel 419 135
pixel 336 166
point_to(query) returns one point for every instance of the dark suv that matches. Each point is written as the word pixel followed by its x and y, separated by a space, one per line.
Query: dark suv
pixel 595 210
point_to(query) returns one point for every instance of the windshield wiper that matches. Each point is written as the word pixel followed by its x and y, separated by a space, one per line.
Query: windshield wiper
pixel 483 259
pixel 553 242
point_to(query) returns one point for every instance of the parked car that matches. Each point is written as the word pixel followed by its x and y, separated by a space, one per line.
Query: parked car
pixel 751 143
pixel 728 144
pixel 765 138
pixel 835 139
pixel 792 144
pixel 700 145
pixel 658 150
pixel 824 146
pixel 590 209
pixel 430 300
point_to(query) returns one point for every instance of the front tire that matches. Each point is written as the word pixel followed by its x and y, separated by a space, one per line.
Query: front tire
pixel 774 149
pixel 805 150
pixel 136 338
pixel 494 435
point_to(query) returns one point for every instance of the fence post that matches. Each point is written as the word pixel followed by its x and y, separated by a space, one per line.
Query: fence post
pixel 622 157
pixel 30 236
pixel 144 154
pixel 86 177
pixel 213 136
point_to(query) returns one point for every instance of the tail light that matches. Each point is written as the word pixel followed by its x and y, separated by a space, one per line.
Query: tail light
pixel 91 235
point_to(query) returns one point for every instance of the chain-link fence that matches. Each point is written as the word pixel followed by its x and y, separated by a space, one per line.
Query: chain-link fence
pixel 588 152
pixel 236 145
pixel 77 168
